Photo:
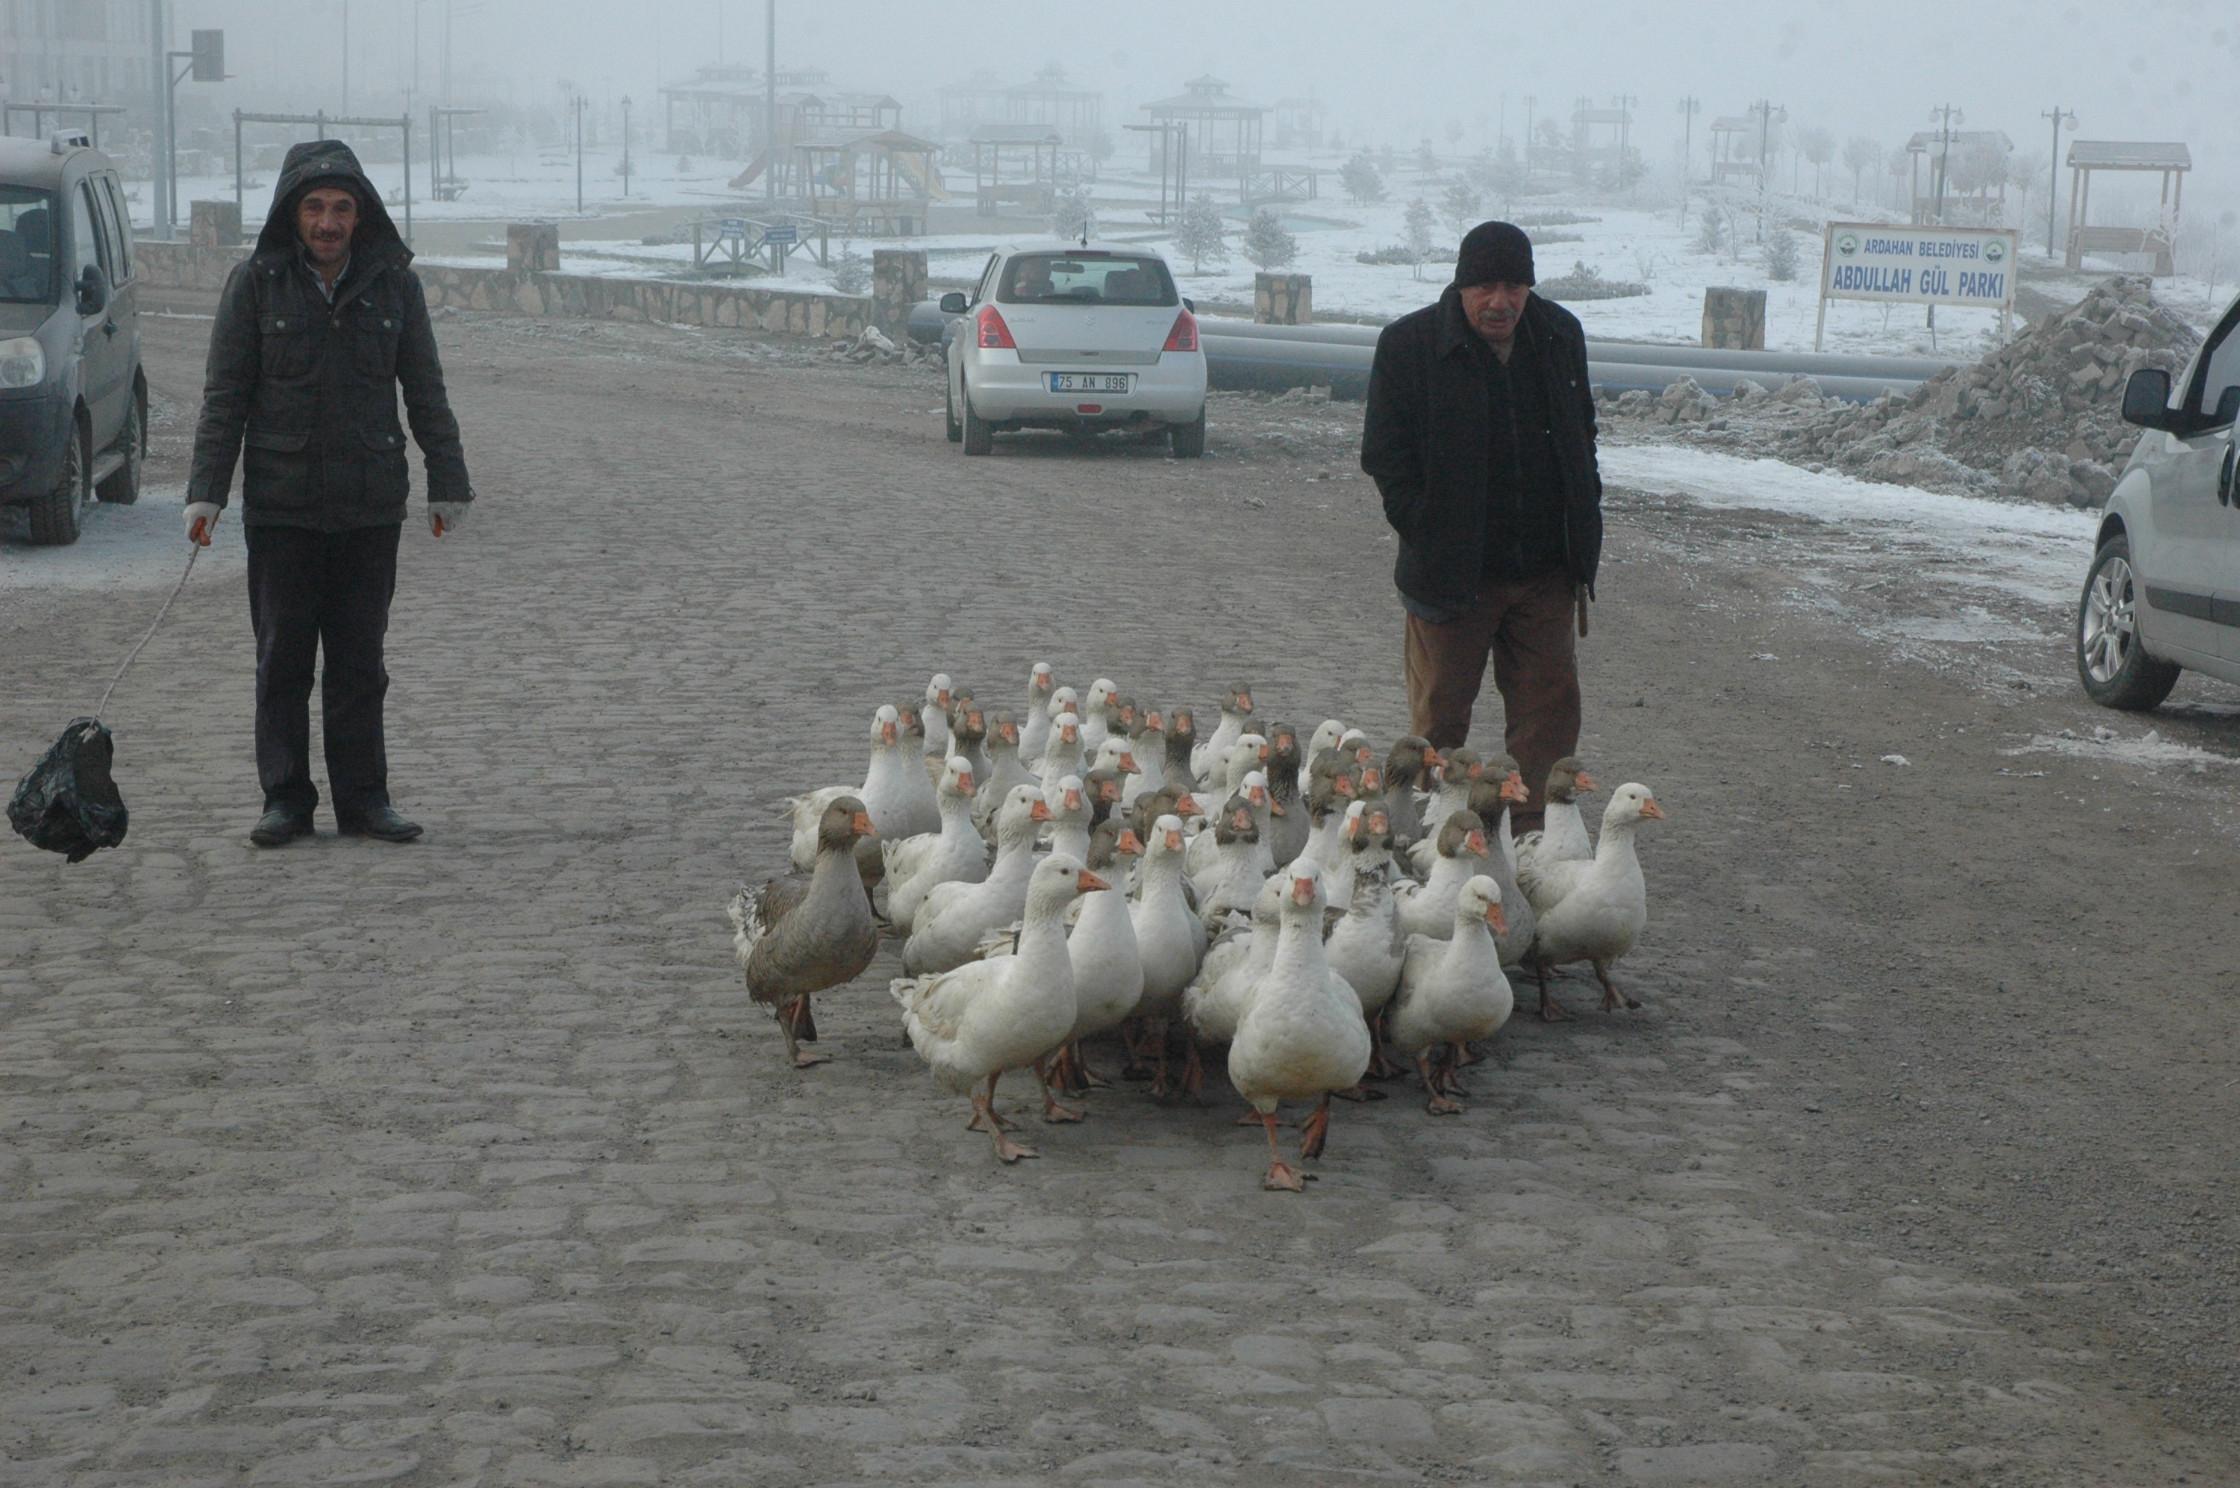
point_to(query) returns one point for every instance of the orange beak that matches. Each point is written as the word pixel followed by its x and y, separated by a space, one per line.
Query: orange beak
pixel 1498 920
pixel 1371 780
pixel 1040 811
pixel 1584 780
pixel 1070 734
pixel 1650 808
pixel 965 787
pixel 1257 796
pixel 1276 808
pixel 1342 785
pixel 1186 805
pixel 1302 891
pixel 974 720
pixel 1475 844
pixel 1244 702
pixel 941 698
pixel 1128 761
pixel 888 733
pixel 1128 843
pixel 1009 733
pixel 1513 789
pixel 1432 759
pixel 1089 883
pixel 1263 754
pixel 1073 800
pixel 1152 721
pixel 860 824
pixel 1474 772
pixel 1174 842
pixel 1240 820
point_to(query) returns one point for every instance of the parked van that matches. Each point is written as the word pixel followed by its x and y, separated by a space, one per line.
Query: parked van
pixel 73 400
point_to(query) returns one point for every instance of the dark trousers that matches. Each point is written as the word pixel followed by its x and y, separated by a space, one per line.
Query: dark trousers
pixel 1528 630
pixel 310 591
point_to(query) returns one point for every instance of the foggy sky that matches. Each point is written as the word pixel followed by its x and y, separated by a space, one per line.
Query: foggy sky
pixel 1392 71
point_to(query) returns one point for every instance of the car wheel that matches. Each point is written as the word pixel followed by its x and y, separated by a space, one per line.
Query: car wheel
pixel 1189 439
pixel 2112 664
pixel 122 488
pixel 949 409
pixel 979 439
pixel 54 516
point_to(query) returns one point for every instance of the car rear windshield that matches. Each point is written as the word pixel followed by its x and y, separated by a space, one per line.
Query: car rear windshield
pixel 26 244
pixel 1086 279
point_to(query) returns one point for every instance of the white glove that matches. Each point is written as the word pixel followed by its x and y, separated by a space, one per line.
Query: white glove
pixel 444 517
pixel 202 515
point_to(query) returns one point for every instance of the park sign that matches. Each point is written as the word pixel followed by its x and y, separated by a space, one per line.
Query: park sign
pixel 1969 267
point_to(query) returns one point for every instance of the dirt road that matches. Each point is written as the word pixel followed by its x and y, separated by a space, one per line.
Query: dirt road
pixel 467 1162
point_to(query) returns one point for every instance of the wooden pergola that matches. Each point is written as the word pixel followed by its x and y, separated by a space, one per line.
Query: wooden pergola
pixel 877 181
pixel 1224 132
pixel 1015 163
pixel 2171 160
pixel 1928 146
pixel 1734 150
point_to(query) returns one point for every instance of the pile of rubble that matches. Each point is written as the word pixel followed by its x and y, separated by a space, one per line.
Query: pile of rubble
pixel 874 345
pixel 2039 419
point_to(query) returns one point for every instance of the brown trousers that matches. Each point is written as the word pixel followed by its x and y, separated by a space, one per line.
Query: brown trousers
pixel 1529 630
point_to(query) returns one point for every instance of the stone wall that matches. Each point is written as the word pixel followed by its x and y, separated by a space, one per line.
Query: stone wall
pixel 1734 319
pixel 214 224
pixel 898 283
pixel 1283 299
pixel 775 312
pixel 533 247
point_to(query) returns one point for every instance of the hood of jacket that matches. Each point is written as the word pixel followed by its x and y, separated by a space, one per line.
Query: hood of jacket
pixel 313 161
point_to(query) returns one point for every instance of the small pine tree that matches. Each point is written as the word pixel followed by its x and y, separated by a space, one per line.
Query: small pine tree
pixel 1266 243
pixel 850 273
pixel 1419 232
pixel 1203 234
pixel 1459 205
pixel 1072 210
pixel 1361 180
pixel 1426 160
pixel 1781 255
pixel 1711 230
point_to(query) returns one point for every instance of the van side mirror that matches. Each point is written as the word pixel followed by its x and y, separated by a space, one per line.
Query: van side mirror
pixel 2146 399
pixel 93 291
pixel 953 303
pixel 2228 408
pixel 1189 304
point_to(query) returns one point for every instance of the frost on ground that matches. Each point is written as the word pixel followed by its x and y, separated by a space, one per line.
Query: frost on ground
pixel 2150 749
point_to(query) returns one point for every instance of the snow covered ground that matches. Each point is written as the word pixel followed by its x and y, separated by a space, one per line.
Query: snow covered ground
pixel 1644 242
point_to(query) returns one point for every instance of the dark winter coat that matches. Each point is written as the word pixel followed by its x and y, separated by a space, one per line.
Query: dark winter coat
pixel 1426 443
pixel 309 390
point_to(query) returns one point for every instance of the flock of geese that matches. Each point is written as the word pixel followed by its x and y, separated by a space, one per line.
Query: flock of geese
pixel 1085 866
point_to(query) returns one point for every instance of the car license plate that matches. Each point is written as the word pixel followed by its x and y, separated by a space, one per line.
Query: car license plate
pixel 1089 382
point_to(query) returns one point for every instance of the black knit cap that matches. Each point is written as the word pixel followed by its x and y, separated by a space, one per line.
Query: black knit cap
pixel 1494 253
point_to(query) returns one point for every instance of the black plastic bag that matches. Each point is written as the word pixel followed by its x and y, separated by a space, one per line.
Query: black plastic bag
pixel 69 803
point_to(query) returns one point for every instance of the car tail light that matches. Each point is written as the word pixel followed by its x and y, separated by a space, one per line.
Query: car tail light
pixel 1184 336
pixel 993 334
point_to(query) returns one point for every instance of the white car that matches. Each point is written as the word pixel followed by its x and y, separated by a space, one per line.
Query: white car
pixel 2163 592
pixel 1077 338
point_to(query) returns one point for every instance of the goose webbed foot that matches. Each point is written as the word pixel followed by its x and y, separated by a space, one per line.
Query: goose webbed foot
pixel 1551 1011
pixel 1314 1132
pixel 1281 1176
pixel 1054 1110
pixel 791 1017
pixel 1612 998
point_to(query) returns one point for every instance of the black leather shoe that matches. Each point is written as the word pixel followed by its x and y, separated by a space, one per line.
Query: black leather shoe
pixel 381 821
pixel 280 826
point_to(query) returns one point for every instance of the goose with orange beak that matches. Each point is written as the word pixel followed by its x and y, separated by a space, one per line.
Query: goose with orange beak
pixel 973 1023
pixel 805 933
pixel 1169 938
pixel 1593 911
pixel 1301 1036
pixel 1452 991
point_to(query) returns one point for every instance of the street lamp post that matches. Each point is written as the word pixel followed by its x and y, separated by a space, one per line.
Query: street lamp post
pixel 2060 117
pixel 626 145
pixel 579 153
pixel 1768 114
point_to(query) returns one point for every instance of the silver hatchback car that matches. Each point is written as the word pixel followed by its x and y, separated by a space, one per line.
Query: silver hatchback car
pixel 2163 593
pixel 1081 338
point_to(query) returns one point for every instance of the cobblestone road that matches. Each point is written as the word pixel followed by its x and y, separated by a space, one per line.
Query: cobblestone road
pixel 467 1163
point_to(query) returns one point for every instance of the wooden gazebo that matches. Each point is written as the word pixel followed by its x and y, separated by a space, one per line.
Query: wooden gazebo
pixel 1734 147
pixel 1224 132
pixel 881 181
pixel 2171 160
pixel 1015 163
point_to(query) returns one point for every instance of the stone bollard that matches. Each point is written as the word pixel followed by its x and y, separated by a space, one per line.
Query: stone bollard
pixel 532 247
pixel 1283 299
pixel 214 224
pixel 898 282
pixel 1734 319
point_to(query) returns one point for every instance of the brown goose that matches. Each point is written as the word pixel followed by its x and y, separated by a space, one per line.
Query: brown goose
pixel 804 933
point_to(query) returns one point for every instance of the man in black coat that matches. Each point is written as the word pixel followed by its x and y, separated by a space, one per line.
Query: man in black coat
pixel 316 332
pixel 1480 435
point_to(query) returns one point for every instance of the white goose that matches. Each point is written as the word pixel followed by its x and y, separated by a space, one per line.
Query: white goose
pixel 1070 815
pixel 940 691
pixel 1236 707
pixel 1096 724
pixel 1232 881
pixel 1460 853
pixel 1458 771
pixel 1594 911
pixel 1034 722
pixel 1062 754
pixel 1148 748
pixel 1169 938
pixel 885 793
pixel 1006 771
pixel 955 854
pixel 1301 1036
pixel 1451 991
pixel 975 1022
pixel 1107 969
pixel 1237 778
pixel 954 918
pixel 1367 944
pixel 1234 964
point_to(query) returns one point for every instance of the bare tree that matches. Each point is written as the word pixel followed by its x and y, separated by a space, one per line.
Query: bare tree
pixel 1860 155
pixel 2024 172
pixel 1819 147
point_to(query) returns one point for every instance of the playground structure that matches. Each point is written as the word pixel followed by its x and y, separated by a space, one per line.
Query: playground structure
pixel 881 182
pixel 2170 159
pixel 1223 132
pixel 1015 164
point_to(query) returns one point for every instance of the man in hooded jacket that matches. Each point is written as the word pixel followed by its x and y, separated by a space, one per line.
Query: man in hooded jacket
pixel 1480 435
pixel 315 333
